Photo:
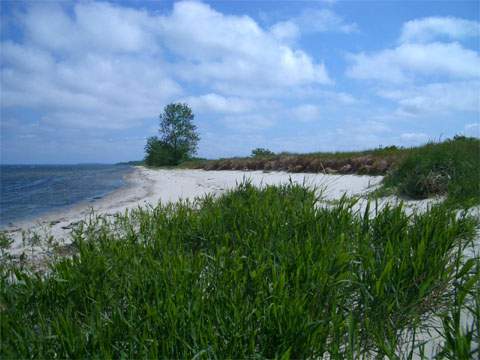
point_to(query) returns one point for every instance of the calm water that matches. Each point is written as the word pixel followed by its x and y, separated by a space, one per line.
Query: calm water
pixel 27 191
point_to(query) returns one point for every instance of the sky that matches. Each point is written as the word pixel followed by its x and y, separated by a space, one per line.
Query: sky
pixel 85 81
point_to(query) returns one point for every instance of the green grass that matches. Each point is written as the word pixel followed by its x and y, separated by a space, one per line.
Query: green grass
pixel 256 273
pixel 449 168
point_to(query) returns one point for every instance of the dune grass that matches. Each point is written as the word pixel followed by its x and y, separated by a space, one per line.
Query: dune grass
pixel 449 168
pixel 368 162
pixel 255 273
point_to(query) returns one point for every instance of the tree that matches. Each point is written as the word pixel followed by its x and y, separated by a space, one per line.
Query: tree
pixel 178 131
pixel 178 137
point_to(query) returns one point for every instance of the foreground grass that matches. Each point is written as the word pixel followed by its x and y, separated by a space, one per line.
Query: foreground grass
pixel 258 273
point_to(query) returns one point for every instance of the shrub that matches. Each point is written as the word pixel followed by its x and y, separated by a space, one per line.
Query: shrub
pixel 261 153
pixel 158 153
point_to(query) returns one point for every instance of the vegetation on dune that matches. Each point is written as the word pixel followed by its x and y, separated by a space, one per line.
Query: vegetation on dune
pixel 254 273
pixel 370 162
pixel 448 168
pixel 451 167
pixel 178 137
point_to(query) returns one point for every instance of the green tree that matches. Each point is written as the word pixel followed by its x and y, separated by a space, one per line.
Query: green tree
pixel 178 131
pixel 178 137
pixel 157 153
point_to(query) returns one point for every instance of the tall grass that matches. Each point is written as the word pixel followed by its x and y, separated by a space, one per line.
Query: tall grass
pixel 258 273
pixel 451 167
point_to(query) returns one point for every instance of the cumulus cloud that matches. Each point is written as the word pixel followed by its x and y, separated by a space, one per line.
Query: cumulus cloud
pixel 431 28
pixel 423 74
pixel 93 26
pixel 312 21
pixel 94 90
pixel 408 61
pixel 436 97
pixel 101 65
pixel 232 50
pixel 215 103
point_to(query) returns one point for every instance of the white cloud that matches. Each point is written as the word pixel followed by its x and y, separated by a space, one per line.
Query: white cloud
pixel 219 104
pixel 100 65
pixel 436 97
pixel 234 50
pixel 306 113
pixel 311 21
pixel 430 28
pixel 407 61
pixel 96 90
pixel 93 26
pixel 285 31
pixel 323 20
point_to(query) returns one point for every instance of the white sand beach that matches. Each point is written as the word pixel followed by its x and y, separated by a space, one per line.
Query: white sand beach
pixel 151 186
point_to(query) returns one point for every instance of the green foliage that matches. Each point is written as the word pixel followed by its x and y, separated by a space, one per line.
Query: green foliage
pixel 178 137
pixel 5 241
pixel 261 153
pixel 178 131
pixel 256 273
pixel 158 153
pixel 451 167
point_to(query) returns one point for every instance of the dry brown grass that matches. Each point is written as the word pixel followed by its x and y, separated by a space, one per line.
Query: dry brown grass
pixel 365 165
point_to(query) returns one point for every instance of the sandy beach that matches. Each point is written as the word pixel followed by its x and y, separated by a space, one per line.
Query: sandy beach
pixel 151 186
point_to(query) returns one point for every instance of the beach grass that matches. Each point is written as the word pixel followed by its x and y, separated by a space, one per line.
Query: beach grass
pixel 255 273
pixel 449 168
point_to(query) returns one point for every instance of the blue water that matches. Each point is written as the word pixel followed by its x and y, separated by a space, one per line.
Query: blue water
pixel 27 191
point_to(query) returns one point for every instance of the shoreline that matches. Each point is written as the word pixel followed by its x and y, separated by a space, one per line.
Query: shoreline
pixel 145 186
pixel 56 212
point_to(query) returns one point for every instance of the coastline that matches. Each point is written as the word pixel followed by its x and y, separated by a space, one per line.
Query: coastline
pixel 82 199
pixel 146 186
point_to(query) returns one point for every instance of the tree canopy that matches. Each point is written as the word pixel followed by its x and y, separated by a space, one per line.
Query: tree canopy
pixel 178 139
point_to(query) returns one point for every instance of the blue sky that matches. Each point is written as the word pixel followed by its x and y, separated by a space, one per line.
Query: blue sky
pixel 85 81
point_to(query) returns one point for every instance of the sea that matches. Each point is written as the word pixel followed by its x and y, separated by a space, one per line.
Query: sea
pixel 29 191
